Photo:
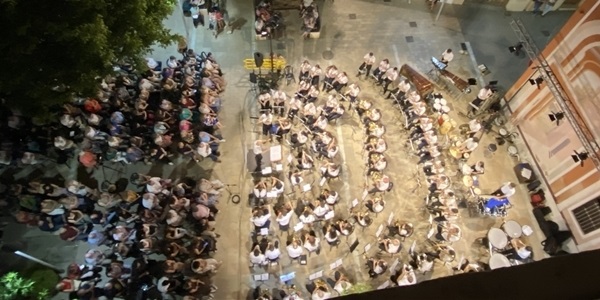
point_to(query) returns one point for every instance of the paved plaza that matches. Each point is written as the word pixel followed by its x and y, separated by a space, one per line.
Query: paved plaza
pixel 403 32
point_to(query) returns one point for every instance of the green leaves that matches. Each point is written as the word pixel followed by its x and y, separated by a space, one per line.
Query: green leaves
pixel 69 43
pixel 12 285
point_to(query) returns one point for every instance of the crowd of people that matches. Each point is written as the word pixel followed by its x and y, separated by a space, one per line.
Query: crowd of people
pixel 167 111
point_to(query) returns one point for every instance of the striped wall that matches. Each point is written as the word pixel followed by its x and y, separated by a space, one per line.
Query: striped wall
pixel 574 56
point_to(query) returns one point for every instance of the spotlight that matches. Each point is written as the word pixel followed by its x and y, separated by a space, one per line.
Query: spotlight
pixel 579 157
pixel 556 117
pixel 516 49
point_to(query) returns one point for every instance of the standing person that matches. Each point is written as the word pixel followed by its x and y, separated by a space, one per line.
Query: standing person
pixel 182 46
pixel 537 5
pixel 257 149
pixel 266 119
pixel 390 76
pixel 548 6
pixel 196 17
pixel 384 65
pixel 506 190
pixel 447 56
pixel 365 67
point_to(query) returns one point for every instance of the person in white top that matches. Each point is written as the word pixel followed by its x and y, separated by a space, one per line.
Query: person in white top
pixel 331 197
pixel 484 94
pixel 266 119
pixel 330 170
pixel 376 267
pixel 424 263
pixel 304 71
pixel 401 90
pixel 260 190
pixel 272 252
pixel 309 112
pixel 381 185
pixel 469 145
pixel 279 97
pixel 319 294
pixel 283 218
pixel 294 250
pixel 365 67
pixel 506 190
pixel 311 242
pixel 331 234
pixel 307 217
pixel 340 81
pixel 315 75
pixel 375 205
pixel 390 246
pixel 390 76
pixel 352 92
pixel 261 219
pixel 447 56
pixel 384 65
pixel 256 257
pixel 296 178
pixel 303 89
pixel 407 277
pixel 257 149
pixel 321 209
pixel 342 284
pixel 330 74
pixel 264 100
pixel 320 124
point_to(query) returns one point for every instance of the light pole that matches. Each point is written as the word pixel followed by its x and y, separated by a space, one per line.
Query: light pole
pixel 14 249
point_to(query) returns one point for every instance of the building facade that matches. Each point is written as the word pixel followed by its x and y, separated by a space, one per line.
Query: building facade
pixel 574 57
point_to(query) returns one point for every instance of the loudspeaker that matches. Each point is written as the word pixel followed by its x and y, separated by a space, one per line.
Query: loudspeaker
pixel 258 59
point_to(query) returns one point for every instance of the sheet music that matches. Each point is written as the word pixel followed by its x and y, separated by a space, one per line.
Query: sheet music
pixel 322 182
pixel 264 231
pixel 298 227
pixel 526 173
pixel 315 275
pixel 412 247
pixel 379 230
pixel 390 218
pixel 339 262
pixel 365 194
pixel 267 171
pixel 354 202
pixel 306 187
pixel 290 158
pixel 257 277
pixel 367 247
pixel 271 194
pixel 287 277
pixel 333 265
pixel 264 276
pixel 278 167
pixel 275 153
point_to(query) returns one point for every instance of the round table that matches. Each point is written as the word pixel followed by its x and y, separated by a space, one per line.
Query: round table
pixel 497 238
pixel 512 228
pixel 498 260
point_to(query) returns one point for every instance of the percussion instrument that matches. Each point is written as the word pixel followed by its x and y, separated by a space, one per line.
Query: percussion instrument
pixel 512 229
pixel 503 132
pixel 455 152
pixel 466 169
pixel 458 82
pixel 477 191
pixel 443 101
pixel 498 260
pixel 437 106
pixel 421 83
pixel 467 181
pixel 445 127
pixel 466 155
pixel 497 238
pixel 445 109
pixel 512 150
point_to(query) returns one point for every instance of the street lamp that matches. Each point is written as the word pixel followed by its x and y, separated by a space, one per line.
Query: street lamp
pixel 15 250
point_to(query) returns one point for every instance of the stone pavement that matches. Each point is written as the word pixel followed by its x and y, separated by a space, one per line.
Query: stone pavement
pixel 402 32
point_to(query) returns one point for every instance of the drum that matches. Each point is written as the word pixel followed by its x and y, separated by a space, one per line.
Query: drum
pixel 512 150
pixel 437 106
pixel 445 109
pixel 498 260
pixel 477 191
pixel 466 169
pixel 455 152
pixel 467 181
pixel 466 155
pixel 497 238
pixel 512 229
pixel 443 102
pixel 445 127
pixel 503 132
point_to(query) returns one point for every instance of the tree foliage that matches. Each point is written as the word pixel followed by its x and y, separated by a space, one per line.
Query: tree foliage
pixel 52 50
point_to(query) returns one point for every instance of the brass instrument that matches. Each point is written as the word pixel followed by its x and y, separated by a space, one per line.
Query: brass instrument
pixel 372 126
pixel 376 176
pixel 421 83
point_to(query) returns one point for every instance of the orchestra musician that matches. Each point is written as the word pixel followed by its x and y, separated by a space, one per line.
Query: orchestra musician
pixel 384 65
pixel 340 81
pixel 305 161
pixel 264 99
pixel 352 92
pixel 372 115
pixel 294 107
pixel 400 91
pixel 309 112
pixel 375 128
pixel 304 71
pixel 330 74
pixel 303 89
pixel 363 105
pixel 377 162
pixel 365 67
pixel 315 75
pixel 279 97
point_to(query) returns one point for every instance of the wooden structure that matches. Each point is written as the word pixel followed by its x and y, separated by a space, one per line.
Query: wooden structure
pixel 421 83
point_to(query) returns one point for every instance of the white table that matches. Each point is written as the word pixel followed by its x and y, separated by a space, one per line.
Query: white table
pixel 512 229
pixel 498 260
pixel 497 238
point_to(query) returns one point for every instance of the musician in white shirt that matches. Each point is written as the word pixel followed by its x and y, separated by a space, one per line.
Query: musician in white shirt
pixel 309 112
pixel 341 80
pixel 484 94
pixel 295 106
pixel 390 76
pixel 294 250
pixel 330 74
pixel 384 65
pixel 447 56
pixel 304 71
pixel 331 197
pixel 315 75
pixel 283 218
pixel 401 90
pixel 256 257
pixel 352 92
pixel 390 246
pixel 266 119
pixel 381 185
pixel 272 252
pixel 279 97
pixel 264 99
pixel 330 170
pixel 261 219
pixel 321 209
pixel 365 67
pixel 303 89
